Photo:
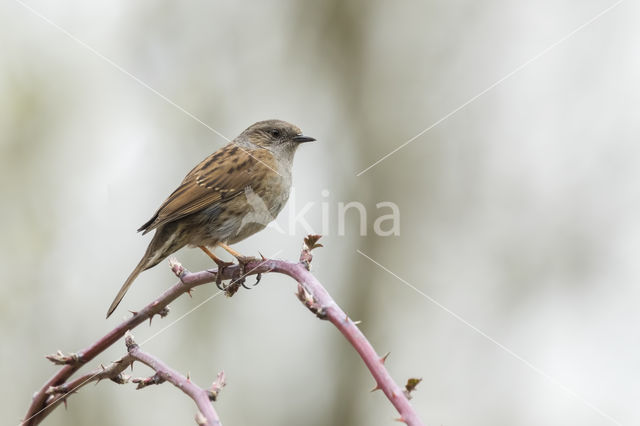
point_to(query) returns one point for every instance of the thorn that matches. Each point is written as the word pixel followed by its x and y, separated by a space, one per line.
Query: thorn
pixel 400 419
pixel 134 313
pixel 376 388
pixel 262 256
pixel 189 376
pixel 384 358
pixel 66 406
pixel 189 291
pixel 162 313
pixel 357 322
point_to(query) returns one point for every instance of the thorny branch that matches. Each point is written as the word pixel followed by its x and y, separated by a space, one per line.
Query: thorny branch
pixel 206 414
pixel 310 291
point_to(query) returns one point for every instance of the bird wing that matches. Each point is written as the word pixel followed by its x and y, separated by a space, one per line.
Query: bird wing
pixel 221 176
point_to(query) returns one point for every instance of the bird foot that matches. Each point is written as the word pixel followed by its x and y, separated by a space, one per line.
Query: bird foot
pixel 242 263
pixel 242 272
pixel 221 265
pixel 239 277
pixel 244 260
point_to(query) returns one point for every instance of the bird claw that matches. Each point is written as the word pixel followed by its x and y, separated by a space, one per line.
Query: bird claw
pixel 219 283
pixel 221 267
pixel 238 279
pixel 242 263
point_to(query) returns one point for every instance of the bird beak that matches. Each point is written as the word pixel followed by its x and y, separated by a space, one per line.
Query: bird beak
pixel 302 138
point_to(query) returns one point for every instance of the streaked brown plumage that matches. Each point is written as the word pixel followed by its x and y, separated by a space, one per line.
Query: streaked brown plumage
pixel 229 196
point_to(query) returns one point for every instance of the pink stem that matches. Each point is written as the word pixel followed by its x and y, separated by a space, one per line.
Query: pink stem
pixel 328 309
pixel 199 395
pixel 320 302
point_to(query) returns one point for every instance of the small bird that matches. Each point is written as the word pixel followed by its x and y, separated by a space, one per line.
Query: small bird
pixel 232 194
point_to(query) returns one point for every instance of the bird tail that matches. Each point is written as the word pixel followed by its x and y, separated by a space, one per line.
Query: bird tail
pixel 164 242
pixel 151 258
pixel 125 287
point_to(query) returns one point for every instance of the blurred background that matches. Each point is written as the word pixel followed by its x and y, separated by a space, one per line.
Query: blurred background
pixel 518 213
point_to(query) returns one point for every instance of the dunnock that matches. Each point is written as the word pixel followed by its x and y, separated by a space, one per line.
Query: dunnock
pixel 232 194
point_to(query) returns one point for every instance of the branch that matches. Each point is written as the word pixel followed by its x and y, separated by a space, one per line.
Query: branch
pixel 313 295
pixel 42 403
pixel 58 394
pixel 206 414
pixel 310 292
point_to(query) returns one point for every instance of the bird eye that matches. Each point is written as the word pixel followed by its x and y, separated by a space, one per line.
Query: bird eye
pixel 274 133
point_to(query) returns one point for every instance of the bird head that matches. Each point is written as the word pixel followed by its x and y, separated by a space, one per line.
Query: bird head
pixel 275 135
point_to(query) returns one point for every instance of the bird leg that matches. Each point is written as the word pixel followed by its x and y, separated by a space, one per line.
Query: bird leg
pixel 242 262
pixel 221 265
